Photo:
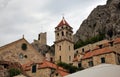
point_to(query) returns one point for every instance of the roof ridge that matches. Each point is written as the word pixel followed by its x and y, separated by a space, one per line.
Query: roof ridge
pixel 4 46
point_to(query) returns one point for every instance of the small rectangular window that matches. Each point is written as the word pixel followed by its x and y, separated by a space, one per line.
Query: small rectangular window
pixel 69 47
pixel 60 58
pixel 102 60
pixel 60 48
pixel 82 49
pixel 90 63
pixel 34 69
pixel 69 58
pixel 79 65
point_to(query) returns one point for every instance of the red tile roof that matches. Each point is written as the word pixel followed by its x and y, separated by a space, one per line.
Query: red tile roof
pixel 96 52
pixel 46 64
pixel 50 65
pixel 63 22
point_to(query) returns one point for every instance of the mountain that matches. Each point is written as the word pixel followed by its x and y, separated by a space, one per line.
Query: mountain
pixel 104 19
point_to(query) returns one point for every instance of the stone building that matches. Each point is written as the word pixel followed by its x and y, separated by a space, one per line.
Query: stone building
pixel 20 51
pixel 42 38
pixel 44 49
pixel 20 54
pixel 107 52
pixel 64 50
pixel 3 72
pixel 44 69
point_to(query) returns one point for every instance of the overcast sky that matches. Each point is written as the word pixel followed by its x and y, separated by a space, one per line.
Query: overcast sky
pixel 30 17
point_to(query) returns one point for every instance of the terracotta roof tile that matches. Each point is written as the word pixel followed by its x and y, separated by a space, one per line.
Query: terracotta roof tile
pixel 50 65
pixel 46 64
pixel 62 23
pixel 97 52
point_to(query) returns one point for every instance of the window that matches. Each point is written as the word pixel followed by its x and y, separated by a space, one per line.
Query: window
pixel 111 43
pixel 69 47
pixel 60 48
pixel 57 34
pixel 51 59
pixel 21 56
pixel 62 33
pixel 77 52
pixel 79 65
pixel 60 58
pixel 69 58
pixel 82 49
pixel 67 34
pixel 102 60
pixel 24 46
pixel 100 46
pixel 39 37
pixel 33 68
pixel 90 63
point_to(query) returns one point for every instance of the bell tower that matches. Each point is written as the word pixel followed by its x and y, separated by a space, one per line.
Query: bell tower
pixel 64 46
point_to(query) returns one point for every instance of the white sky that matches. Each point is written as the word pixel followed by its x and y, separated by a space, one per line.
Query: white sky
pixel 30 17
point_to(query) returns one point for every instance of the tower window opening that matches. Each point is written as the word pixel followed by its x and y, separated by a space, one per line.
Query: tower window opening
pixel 69 47
pixel 60 58
pixel 60 48
pixel 57 34
pixel 62 33
pixel 69 58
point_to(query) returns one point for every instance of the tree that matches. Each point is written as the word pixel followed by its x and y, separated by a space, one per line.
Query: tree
pixel 70 68
pixel 14 72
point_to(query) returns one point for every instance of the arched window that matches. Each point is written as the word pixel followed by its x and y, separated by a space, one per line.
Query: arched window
pixel 57 34
pixel 67 34
pixel 62 33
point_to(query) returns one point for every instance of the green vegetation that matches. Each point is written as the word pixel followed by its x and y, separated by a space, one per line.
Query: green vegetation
pixel 14 72
pixel 89 41
pixel 69 67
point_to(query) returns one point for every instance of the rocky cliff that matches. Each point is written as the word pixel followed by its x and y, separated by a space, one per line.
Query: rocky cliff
pixel 104 19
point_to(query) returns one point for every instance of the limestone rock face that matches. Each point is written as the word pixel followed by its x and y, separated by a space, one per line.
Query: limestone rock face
pixel 103 19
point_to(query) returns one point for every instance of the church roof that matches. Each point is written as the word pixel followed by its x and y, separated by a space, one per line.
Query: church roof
pixel 63 22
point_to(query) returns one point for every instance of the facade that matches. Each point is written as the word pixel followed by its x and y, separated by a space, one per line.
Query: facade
pixel 19 51
pixel 64 47
pixel 108 52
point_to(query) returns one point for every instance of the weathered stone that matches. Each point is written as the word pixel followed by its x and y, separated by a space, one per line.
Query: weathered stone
pixel 101 20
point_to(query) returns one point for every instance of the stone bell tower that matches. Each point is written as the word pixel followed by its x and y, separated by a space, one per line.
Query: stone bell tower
pixel 64 46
